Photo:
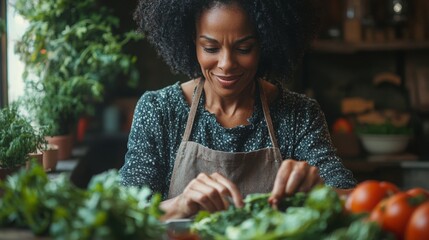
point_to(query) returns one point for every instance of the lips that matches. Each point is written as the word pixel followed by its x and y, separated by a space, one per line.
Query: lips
pixel 227 81
pixel 228 78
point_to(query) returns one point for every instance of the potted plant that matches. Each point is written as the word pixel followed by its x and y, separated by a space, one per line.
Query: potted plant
pixel 72 53
pixel 18 139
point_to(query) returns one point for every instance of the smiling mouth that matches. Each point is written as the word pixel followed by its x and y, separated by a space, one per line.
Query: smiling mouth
pixel 228 78
pixel 228 81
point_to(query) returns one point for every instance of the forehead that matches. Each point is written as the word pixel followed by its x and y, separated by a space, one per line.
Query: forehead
pixel 226 18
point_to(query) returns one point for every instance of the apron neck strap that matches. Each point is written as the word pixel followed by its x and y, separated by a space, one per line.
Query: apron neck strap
pixel 194 106
pixel 267 115
pixel 193 111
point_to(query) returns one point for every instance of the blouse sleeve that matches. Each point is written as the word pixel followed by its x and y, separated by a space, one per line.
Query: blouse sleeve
pixel 314 145
pixel 146 163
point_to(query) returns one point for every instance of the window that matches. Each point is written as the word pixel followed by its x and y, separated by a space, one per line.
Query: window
pixel 16 26
pixel 3 86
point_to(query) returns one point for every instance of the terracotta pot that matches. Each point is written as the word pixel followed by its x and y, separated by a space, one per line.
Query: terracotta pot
pixel 50 158
pixel 64 143
pixel 38 156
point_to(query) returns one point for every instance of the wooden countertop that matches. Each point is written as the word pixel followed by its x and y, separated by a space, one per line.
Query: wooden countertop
pixel 19 234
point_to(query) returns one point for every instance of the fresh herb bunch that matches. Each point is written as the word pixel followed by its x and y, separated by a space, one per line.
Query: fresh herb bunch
pixel 106 210
pixel 316 215
pixel 18 138
pixel 72 52
pixel 384 128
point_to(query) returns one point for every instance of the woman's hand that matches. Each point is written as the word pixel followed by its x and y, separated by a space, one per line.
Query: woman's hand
pixel 294 176
pixel 205 192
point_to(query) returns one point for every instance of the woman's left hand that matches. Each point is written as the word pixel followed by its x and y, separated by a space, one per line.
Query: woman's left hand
pixel 294 176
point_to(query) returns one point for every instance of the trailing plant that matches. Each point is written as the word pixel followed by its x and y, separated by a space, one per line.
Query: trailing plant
pixel 18 138
pixel 72 52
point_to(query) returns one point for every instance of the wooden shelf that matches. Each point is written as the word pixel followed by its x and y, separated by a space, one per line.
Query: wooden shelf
pixel 334 46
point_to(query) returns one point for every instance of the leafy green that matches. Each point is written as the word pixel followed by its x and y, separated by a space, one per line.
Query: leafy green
pixel 105 210
pixel 255 220
pixel 359 230
pixel 303 216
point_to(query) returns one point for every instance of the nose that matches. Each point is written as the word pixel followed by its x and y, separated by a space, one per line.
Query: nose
pixel 226 60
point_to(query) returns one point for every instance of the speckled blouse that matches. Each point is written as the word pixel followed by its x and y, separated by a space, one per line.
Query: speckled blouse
pixel 160 120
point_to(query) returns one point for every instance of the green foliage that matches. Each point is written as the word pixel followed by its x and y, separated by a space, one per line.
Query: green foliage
pixel 384 128
pixel 17 138
pixel 360 230
pixel 316 215
pixel 106 210
pixel 71 54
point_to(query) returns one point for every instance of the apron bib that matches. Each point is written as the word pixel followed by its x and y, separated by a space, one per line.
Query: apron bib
pixel 252 172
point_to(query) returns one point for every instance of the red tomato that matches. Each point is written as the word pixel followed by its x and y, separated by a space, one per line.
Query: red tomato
pixel 377 214
pixel 418 225
pixel 418 192
pixel 368 194
pixel 389 187
pixel 342 125
pixel 394 212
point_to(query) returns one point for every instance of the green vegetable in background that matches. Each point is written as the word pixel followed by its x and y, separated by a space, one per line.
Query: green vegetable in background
pixel 384 128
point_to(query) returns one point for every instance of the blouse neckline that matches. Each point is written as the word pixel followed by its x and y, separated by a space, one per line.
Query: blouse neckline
pixel 256 117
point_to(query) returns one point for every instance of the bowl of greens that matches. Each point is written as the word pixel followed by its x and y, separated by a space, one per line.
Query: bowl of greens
pixel 384 143
pixel 384 132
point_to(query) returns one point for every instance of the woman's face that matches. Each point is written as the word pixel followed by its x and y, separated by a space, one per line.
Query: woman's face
pixel 227 49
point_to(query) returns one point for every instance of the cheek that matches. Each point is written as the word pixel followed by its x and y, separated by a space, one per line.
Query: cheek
pixel 250 62
pixel 206 61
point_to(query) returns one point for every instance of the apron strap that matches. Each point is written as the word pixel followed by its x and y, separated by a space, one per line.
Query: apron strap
pixel 193 111
pixel 267 115
pixel 194 106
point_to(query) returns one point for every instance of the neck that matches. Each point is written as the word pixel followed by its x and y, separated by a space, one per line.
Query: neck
pixel 237 106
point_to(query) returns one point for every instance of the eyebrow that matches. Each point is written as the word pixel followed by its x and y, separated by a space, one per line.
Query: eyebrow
pixel 238 41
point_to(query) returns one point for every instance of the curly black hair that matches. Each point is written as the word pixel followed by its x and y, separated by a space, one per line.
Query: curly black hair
pixel 284 29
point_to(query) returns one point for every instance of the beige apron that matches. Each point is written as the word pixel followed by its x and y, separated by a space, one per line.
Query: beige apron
pixel 252 172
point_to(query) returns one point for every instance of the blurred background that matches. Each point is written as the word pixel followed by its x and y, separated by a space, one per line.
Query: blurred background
pixel 368 69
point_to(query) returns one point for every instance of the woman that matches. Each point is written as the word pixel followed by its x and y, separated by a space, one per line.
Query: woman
pixel 233 129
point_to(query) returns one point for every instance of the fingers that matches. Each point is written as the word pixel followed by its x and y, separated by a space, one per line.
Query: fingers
pixel 313 178
pixel 232 189
pixel 210 193
pixel 280 181
pixel 294 176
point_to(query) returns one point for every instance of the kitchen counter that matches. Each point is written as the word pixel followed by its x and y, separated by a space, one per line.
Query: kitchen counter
pixel 406 170
pixel 19 234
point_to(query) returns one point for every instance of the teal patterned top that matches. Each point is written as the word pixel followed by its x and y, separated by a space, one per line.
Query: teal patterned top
pixel 160 120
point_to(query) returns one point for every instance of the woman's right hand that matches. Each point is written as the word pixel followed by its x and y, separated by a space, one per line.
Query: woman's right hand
pixel 205 192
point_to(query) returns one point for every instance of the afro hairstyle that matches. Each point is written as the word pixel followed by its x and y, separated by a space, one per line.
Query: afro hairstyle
pixel 284 30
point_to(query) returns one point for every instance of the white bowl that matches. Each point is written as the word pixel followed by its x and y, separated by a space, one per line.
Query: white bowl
pixel 384 144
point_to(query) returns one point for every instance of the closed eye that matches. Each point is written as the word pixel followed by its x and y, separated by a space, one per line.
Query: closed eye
pixel 244 50
pixel 211 50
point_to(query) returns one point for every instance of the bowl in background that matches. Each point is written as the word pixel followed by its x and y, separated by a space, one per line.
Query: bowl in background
pixel 384 144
